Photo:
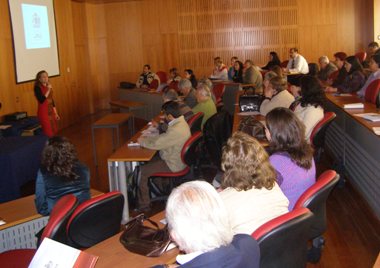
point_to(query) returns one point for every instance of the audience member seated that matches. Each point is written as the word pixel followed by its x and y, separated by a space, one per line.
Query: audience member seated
pixel 188 93
pixel 169 144
pixel 297 63
pixel 326 68
pixel 313 69
pixel 374 66
pixel 252 75
pixel 198 223
pixel 171 95
pixel 274 60
pixel 355 78
pixel 147 78
pixel 220 71
pixel 231 70
pixel 340 58
pixel 189 74
pixel 237 73
pixel 276 95
pixel 373 49
pixel 249 188
pixel 291 155
pixel 174 77
pixel 205 103
pixel 311 102
pixel 60 174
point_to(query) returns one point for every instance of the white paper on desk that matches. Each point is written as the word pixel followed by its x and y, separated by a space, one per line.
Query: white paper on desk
pixel 376 130
pixel 358 105
pixel 151 131
pixel 5 126
pixel 2 222
pixel 374 117
pixel 53 254
pixel 248 113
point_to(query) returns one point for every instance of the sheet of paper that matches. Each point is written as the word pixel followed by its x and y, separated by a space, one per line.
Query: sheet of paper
pixel 5 126
pixel 248 113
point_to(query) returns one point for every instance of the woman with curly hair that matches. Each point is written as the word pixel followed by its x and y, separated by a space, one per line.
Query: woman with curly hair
pixel 291 155
pixel 309 107
pixel 60 174
pixel 249 188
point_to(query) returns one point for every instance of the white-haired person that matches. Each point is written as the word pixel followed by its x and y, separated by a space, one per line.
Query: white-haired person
pixel 205 103
pixel 249 185
pixel 326 68
pixel 199 224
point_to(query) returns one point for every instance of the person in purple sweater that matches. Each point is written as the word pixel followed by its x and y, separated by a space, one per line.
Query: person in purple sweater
pixel 291 155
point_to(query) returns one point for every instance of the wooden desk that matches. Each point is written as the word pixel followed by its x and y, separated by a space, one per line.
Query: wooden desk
pixel 122 162
pixel 22 222
pixel 152 100
pixel 355 147
pixel 113 254
pixel 114 121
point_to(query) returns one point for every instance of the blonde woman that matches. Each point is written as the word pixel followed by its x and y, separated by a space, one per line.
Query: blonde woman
pixel 249 188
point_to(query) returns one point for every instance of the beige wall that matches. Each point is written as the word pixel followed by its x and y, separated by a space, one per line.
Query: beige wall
pixel 103 44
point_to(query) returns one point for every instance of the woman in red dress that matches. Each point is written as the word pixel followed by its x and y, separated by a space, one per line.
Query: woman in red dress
pixel 47 113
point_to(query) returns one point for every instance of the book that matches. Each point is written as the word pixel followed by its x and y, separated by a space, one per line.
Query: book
pixel 374 117
pixel 54 254
pixel 358 105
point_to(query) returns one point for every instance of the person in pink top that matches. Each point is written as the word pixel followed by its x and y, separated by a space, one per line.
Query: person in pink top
pixel 291 154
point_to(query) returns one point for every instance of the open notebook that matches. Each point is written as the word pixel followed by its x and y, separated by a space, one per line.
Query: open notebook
pixel 52 254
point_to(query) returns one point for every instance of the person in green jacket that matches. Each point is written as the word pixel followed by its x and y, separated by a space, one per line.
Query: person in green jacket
pixel 205 103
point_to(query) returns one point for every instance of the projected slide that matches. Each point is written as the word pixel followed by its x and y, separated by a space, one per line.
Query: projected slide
pixel 36 26
pixel 34 38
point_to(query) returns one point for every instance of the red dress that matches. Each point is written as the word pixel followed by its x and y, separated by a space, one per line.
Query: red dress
pixel 45 111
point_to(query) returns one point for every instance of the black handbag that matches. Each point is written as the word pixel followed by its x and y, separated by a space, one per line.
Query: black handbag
pixel 250 103
pixel 144 240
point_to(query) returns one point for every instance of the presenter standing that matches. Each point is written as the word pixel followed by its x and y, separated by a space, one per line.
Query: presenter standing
pixel 47 113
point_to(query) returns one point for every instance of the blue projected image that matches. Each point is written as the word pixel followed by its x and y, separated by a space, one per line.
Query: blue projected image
pixel 36 26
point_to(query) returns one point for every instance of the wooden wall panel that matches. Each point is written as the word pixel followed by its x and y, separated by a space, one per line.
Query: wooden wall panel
pixel 103 44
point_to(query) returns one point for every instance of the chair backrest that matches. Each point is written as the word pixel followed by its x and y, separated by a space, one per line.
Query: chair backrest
pixel 163 76
pixel 195 122
pixel 95 220
pixel 191 149
pixel 317 136
pixel 361 56
pixel 315 197
pixel 59 216
pixel 154 85
pixel 284 64
pixel 372 91
pixel 216 131
pixel 283 240
pixel 218 91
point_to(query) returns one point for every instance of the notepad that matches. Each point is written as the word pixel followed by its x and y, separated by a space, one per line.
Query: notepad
pixel 54 254
pixel 374 117
pixel 358 105
pixel 376 130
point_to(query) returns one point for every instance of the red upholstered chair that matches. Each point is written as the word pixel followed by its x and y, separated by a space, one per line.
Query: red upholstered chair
pixel 174 85
pixel 17 258
pixel 283 240
pixel 55 229
pixel 189 155
pixel 361 56
pixel 154 85
pixel 163 76
pixel 59 216
pixel 195 122
pixel 315 199
pixel 218 91
pixel 95 220
pixel 317 136
pixel 284 64
pixel 372 91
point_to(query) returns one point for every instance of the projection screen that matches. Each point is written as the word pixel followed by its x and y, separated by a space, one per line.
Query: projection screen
pixel 34 38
